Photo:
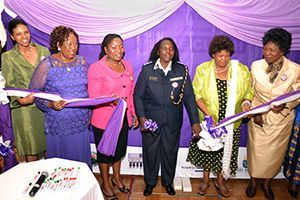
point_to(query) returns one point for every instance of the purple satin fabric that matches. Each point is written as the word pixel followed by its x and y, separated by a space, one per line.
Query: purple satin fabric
pixel 151 125
pixel 91 102
pixel 7 134
pixel 285 98
pixel 109 140
pixel 215 133
pixel 110 137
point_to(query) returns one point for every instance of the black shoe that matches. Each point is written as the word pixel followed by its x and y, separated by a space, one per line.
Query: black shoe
pixel 294 194
pixel 251 190
pixel 148 190
pixel 170 189
pixel 122 189
pixel 109 197
pixel 269 194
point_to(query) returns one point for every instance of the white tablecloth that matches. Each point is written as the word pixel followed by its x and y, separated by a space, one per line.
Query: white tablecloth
pixel 14 182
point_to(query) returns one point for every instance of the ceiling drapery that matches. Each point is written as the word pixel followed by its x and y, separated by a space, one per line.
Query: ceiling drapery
pixel 246 20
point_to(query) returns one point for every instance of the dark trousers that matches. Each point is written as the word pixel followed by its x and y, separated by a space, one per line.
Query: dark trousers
pixel 160 149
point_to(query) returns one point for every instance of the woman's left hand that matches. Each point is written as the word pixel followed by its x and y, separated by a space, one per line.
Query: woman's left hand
pixel 57 105
pixel 135 122
pixel 26 100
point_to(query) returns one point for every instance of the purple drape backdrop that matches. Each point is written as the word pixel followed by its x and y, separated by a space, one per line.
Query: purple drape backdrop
pixel 192 35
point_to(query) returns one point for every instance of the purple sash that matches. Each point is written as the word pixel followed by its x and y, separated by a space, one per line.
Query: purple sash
pixel 110 137
pixel 109 140
pixel 282 99
pixel 7 135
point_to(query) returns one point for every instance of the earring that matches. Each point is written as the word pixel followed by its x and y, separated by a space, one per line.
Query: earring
pixel 58 49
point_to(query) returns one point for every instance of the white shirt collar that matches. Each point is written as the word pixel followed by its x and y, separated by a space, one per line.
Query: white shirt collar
pixel 158 65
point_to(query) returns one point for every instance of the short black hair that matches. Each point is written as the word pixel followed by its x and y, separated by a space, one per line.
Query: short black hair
pixel 279 36
pixel 219 43
pixel 153 55
pixel 14 23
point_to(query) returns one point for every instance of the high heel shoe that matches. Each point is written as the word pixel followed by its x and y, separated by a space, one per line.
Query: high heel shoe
pixel 292 189
pixel 203 188
pixel 108 197
pixel 122 189
pixel 251 190
pixel 223 190
pixel 268 192
pixel 294 194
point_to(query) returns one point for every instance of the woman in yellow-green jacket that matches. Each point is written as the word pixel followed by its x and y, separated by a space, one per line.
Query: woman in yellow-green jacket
pixel 222 88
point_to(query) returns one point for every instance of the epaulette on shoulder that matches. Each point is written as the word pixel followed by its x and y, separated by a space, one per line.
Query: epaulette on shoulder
pixel 182 64
pixel 148 63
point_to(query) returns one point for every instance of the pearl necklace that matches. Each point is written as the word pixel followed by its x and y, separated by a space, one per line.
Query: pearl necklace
pixel 221 71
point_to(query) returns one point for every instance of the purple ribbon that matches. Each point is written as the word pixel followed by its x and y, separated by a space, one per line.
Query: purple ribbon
pixel 109 140
pixel 7 134
pixel 6 149
pixel 85 102
pixel 151 125
pixel 110 136
pixel 214 132
pixel 282 99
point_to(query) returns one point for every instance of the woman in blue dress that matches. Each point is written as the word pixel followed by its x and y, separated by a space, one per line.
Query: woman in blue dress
pixel 291 167
pixel 64 73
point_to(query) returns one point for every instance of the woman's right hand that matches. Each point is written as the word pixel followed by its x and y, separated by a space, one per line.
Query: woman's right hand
pixel 57 105
pixel 115 102
pixel 258 120
pixel 214 123
pixel 142 122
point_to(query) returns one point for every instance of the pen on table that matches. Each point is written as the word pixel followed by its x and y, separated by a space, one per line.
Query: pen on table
pixel 53 172
pixel 31 182
pixel 60 184
pixel 27 188
pixel 73 179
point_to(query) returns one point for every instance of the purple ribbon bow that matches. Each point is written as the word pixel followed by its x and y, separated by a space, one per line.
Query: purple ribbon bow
pixel 214 132
pixel 151 125
pixel 6 149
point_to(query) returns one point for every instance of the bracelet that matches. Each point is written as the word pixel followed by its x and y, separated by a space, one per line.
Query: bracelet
pixel 246 102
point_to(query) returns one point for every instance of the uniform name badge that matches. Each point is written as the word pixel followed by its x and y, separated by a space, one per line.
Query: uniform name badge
pixel 174 86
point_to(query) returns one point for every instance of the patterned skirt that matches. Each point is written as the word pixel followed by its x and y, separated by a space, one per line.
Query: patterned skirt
pixel 291 166
pixel 212 160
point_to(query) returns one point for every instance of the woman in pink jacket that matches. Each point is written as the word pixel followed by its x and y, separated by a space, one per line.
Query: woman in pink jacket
pixel 111 76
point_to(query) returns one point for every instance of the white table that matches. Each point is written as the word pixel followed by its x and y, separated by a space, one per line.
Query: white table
pixel 14 182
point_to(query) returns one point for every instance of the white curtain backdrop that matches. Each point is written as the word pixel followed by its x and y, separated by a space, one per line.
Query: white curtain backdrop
pixel 246 20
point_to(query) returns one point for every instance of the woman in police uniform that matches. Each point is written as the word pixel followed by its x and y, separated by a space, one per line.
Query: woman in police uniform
pixel 162 88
